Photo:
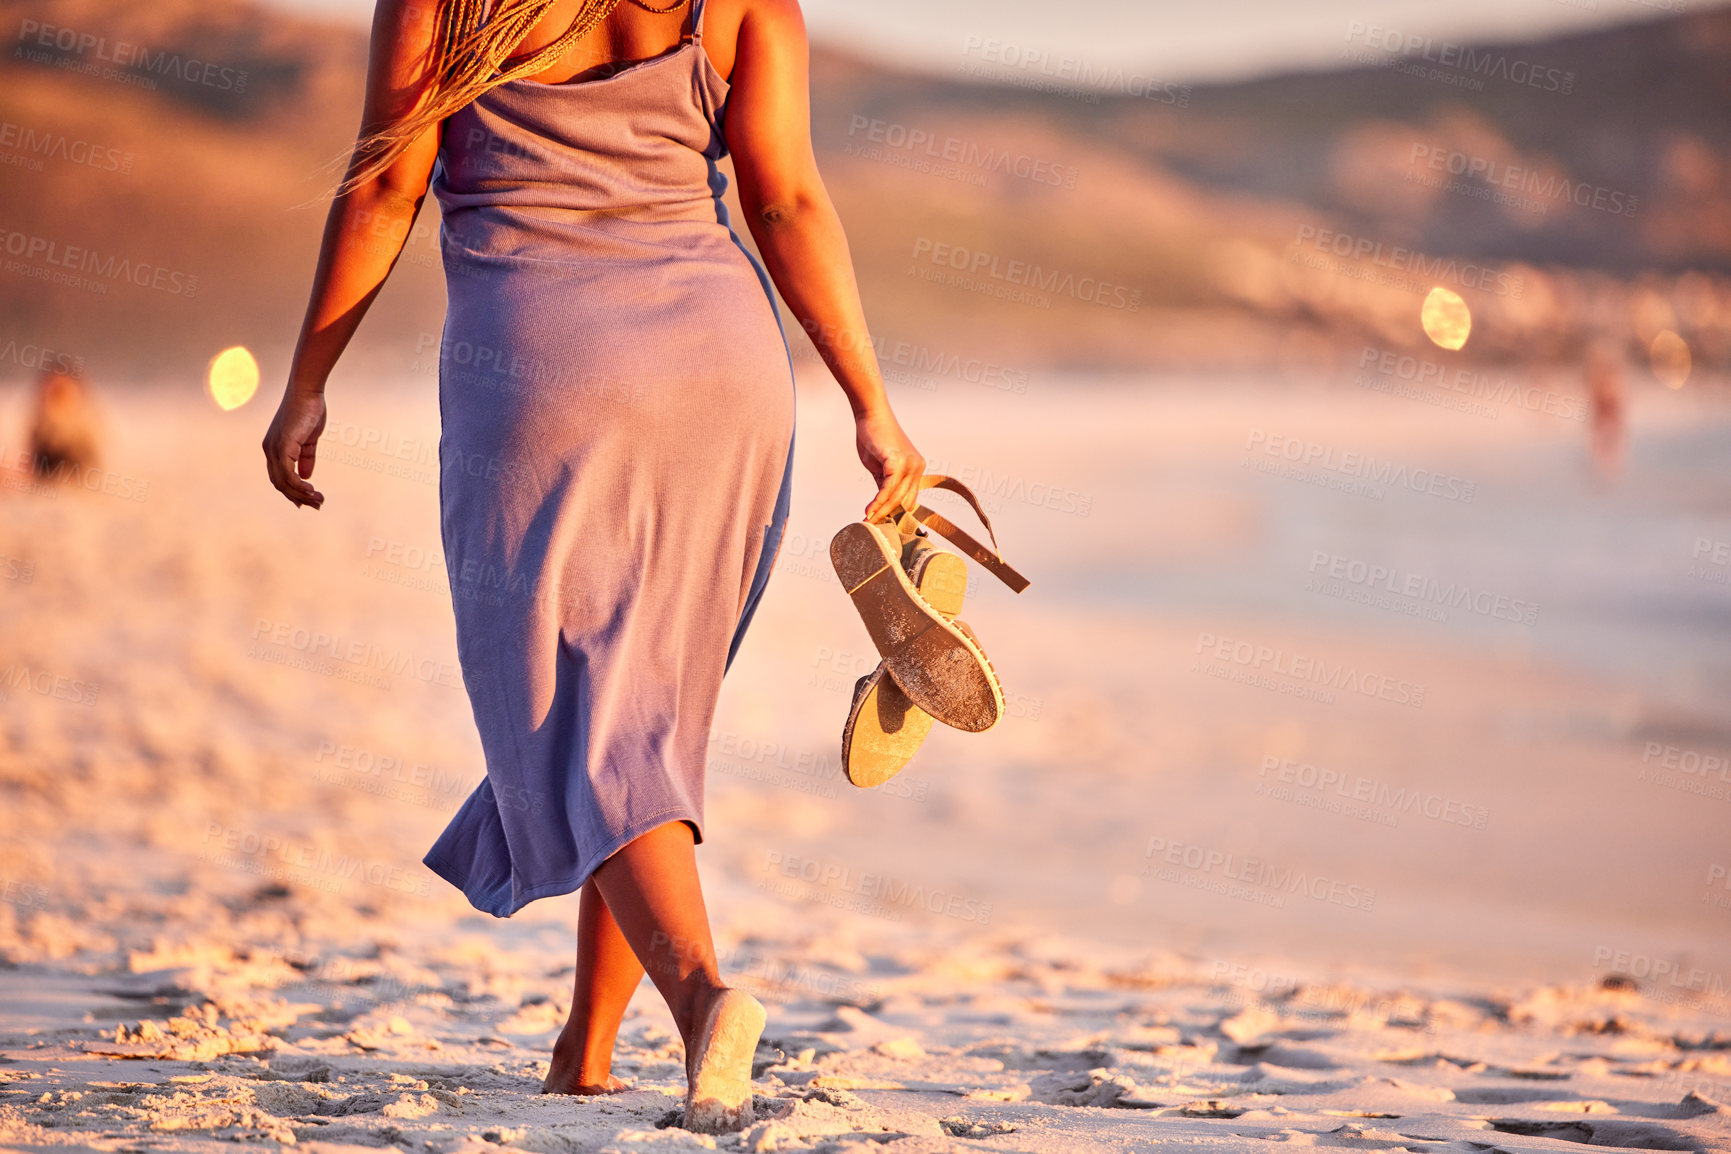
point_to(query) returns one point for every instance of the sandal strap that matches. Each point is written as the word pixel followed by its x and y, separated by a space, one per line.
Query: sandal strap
pixel 991 559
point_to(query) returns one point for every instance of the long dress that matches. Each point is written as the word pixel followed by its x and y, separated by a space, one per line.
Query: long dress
pixel 617 409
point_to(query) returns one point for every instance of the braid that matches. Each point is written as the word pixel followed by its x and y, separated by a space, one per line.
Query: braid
pixel 471 47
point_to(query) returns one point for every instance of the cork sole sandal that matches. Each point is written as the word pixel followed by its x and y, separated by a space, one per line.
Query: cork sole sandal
pixel 884 728
pixel 939 666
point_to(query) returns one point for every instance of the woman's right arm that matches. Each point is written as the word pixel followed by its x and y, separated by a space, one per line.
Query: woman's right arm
pixel 364 234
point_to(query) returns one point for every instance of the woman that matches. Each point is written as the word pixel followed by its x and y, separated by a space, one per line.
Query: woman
pixel 616 443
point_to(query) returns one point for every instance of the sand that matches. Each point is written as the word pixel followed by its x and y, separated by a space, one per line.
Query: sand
pixel 1190 892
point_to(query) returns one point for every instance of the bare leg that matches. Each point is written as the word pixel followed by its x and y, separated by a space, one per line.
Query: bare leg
pixel 607 975
pixel 652 890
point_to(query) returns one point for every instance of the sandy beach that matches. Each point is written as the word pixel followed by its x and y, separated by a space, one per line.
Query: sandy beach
pixel 1280 841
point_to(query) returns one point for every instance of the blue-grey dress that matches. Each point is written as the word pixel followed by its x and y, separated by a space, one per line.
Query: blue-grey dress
pixel 617 407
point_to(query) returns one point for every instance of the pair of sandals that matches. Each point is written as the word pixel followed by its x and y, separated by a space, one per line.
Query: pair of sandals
pixel 909 593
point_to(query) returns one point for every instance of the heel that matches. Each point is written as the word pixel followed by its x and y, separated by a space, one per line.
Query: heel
pixel 718 1100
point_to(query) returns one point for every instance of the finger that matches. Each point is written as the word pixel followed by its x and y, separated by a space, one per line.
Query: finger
pixel 881 504
pixel 909 494
pixel 274 470
pixel 304 493
pixel 875 507
pixel 904 485
pixel 886 502
pixel 890 493
pixel 283 474
pixel 288 469
pixel 307 459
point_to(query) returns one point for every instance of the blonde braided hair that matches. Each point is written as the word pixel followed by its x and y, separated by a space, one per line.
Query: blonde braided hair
pixel 472 44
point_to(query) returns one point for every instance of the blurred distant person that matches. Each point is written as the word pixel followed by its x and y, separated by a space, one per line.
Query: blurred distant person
pixel 575 147
pixel 1608 433
pixel 63 429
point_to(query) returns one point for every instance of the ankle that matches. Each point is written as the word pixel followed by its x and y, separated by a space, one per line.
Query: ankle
pixel 587 1057
pixel 693 1010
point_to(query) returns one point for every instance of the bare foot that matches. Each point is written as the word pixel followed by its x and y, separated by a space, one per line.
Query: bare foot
pixel 608 1085
pixel 566 1075
pixel 718 1096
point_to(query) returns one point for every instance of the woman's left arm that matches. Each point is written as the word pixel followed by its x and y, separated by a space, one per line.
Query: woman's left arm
pixel 797 229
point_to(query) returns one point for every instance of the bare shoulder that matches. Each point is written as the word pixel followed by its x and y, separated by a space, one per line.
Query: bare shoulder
pixel 730 24
pixel 777 12
pixel 405 28
pixel 402 55
pixel 406 17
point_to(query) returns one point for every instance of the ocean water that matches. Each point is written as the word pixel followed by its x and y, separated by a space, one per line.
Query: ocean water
pixel 1507 777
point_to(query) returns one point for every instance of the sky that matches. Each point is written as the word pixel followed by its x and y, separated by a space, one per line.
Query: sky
pixel 1200 40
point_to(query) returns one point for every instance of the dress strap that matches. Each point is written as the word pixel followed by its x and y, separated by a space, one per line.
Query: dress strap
pixel 697 21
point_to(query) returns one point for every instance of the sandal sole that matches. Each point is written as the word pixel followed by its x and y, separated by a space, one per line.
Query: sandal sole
pixel 938 666
pixel 884 729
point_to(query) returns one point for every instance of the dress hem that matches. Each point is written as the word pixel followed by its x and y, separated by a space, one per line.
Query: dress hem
pixel 448 870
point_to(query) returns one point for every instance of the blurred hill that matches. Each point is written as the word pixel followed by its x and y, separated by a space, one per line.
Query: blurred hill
pixel 1569 189
pixel 120 141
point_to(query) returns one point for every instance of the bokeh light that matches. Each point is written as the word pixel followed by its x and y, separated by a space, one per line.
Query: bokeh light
pixel 232 378
pixel 1672 363
pixel 1446 318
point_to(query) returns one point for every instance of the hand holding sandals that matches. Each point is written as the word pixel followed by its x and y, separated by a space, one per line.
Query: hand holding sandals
pixel 890 457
